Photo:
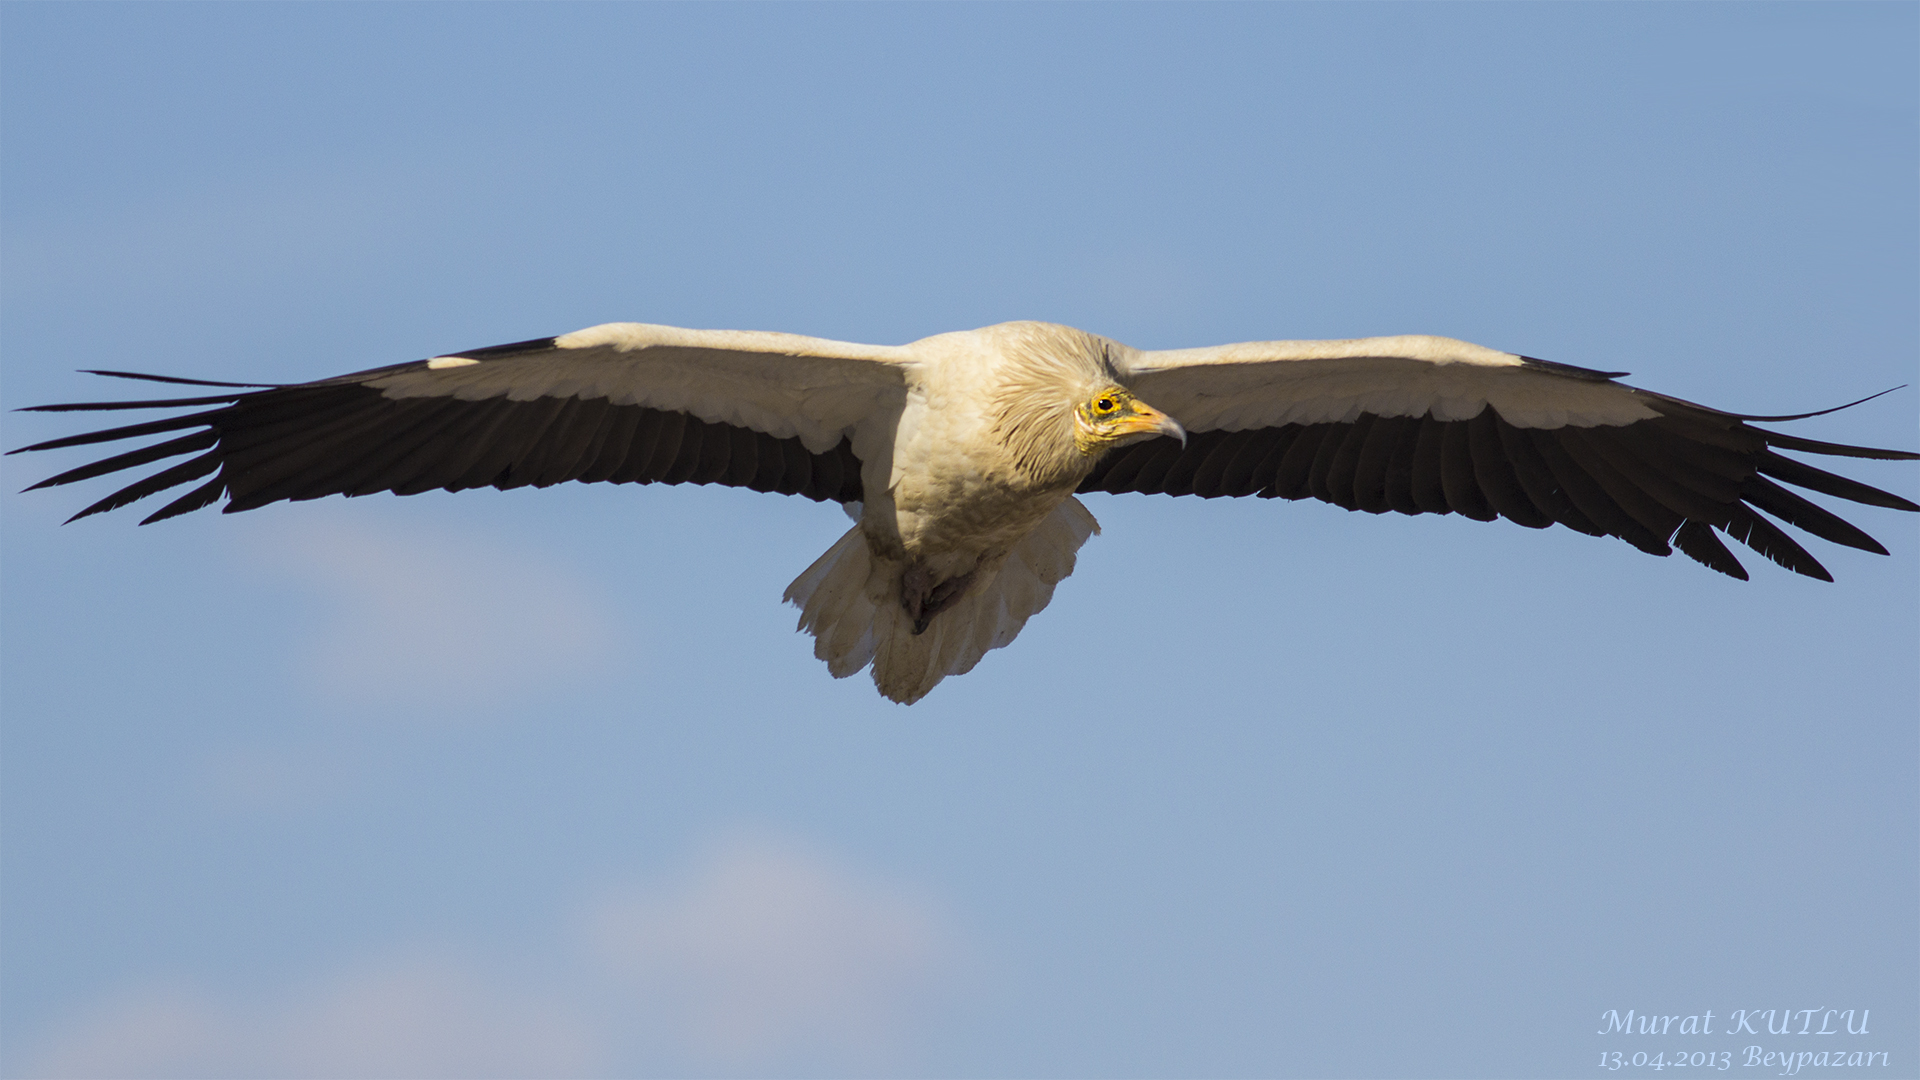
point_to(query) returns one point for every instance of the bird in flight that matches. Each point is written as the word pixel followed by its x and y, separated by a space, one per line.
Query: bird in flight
pixel 959 455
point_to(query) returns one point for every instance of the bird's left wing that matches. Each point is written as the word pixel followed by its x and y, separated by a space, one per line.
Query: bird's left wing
pixel 624 402
pixel 1421 424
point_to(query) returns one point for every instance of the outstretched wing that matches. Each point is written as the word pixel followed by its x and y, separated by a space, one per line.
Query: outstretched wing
pixel 1428 425
pixel 624 402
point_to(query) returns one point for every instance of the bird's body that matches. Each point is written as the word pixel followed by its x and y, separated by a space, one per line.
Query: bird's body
pixel 961 453
pixel 952 496
pixel 983 455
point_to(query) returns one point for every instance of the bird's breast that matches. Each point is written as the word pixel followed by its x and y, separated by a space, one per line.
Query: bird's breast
pixel 957 496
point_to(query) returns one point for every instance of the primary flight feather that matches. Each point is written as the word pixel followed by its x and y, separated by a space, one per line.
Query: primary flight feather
pixel 960 453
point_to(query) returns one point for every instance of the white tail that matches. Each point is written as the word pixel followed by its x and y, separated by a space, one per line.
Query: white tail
pixel 849 600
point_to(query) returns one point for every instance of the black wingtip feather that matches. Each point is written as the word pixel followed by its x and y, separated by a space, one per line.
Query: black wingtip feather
pixel 179 474
pixel 108 406
pixel 1770 540
pixel 204 495
pixel 177 380
pixel 1801 474
pixel 1801 514
pixel 1815 446
pixel 1696 541
pixel 1819 412
pixel 130 431
pixel 186 444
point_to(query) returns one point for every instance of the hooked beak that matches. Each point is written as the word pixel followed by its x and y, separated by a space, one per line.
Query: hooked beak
pixel 1144 419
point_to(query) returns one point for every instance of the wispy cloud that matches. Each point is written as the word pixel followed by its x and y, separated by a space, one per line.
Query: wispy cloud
pixel 396 1017
pixel 762 955
pixel 765 953
pixel 434 618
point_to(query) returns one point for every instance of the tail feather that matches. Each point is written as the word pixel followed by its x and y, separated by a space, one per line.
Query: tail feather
pixel 852 644
pixel 849 600
pixel 834 606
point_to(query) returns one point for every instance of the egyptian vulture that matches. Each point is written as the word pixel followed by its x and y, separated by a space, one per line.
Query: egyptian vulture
pixel 959 455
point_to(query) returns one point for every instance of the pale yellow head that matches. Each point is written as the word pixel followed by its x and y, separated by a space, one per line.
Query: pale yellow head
pixel 1059 404
pixel 1112 417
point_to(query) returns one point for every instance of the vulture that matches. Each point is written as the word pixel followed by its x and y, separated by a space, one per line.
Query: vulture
pixel 959 455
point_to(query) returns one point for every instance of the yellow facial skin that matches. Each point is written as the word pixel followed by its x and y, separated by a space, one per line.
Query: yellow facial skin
pixel 1113 417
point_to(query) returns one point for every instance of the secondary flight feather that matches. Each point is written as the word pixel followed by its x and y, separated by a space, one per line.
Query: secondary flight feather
pixel 960 454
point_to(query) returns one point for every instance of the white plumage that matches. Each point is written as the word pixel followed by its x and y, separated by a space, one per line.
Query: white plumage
pixel 961 453
pixel 849 602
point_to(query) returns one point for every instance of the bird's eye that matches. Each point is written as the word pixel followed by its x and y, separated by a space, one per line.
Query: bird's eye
pixel 1105 405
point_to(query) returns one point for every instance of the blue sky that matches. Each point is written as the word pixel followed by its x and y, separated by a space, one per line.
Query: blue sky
pixel 543 782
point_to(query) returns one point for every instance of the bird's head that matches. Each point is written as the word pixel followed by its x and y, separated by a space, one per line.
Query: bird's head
pixel 1058 401
pixel 1111 416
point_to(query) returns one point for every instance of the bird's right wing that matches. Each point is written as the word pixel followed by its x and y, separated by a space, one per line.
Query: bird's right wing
pixel 1421 425
pixel 624 402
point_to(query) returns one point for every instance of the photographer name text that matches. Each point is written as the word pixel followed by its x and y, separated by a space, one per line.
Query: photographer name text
pixel 1787 1060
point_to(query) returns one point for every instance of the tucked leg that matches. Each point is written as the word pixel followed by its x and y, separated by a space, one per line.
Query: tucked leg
pixel 923 597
